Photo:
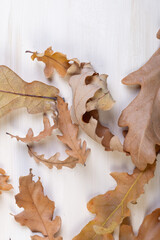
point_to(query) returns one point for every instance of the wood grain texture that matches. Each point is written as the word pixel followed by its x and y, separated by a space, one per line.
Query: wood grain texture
pixel 117 37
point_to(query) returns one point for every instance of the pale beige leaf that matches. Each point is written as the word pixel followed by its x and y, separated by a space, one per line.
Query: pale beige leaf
pixel 43 134
pixel 38 209
pixel 112 207
pixel 142 115
pixel 15 93
pixel 87 86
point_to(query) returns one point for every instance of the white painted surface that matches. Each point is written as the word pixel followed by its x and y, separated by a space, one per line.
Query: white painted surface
pixel 117 37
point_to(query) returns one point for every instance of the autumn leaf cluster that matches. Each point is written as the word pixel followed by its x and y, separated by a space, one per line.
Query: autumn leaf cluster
pixel 90 94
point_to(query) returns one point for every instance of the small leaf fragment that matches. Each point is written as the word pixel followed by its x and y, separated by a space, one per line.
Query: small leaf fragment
pixel 4 186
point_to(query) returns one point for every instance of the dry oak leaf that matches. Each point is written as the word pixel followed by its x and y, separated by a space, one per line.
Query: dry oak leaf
pixel 53 60
pixel 15 93
pixel 30 138
pixel 142 115
pixel 70 133
pixel 149 229
pixel 98 97
pixel 112 207
pixel 87 86
pixel 53 161
pixel 4 186
pixel 76 151
pixel 38 209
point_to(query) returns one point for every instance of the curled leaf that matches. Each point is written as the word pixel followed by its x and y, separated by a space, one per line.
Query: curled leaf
pixel 15 93
pixel 43 134
pixel 53 60
pixel 53 161
pixel 90 93
pixel 76 152
pixel 149 229
pixel 112 207
pixel 38 209
pixel 142 115
pixel 4 186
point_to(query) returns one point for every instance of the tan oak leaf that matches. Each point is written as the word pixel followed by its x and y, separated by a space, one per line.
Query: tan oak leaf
pixel 142 115
pixel 38 209
pixel 15 93
pixel 112 207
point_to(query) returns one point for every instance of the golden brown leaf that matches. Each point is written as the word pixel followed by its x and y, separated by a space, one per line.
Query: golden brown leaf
pixel 90 93
pixel 38 209
pixel 52 60
pixel 70 133
pixel 111 208
pixel 53 161
pixel 15 93
pixel 149 229
pixel 142 115
pixel 4 186
pixel 43 134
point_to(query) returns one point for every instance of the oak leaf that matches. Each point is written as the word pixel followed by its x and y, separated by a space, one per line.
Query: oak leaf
pixel 38 209
pixel 15 93
pixel 53 161
pixel 90 94
pixel 30 138
pixel 142 115
pixel 149 229
pixel 4 186
pixel 70 133
pixel 111 208
pixel 53 60
pixel 76 151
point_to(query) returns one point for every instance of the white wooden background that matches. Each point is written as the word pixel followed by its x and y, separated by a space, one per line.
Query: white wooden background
pixel 117 37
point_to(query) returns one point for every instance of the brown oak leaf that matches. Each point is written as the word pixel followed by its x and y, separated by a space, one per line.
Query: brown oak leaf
pixel 38 209
pixel 53 60
pixel 76 151
pixel 149 229
pixel 53 161
pixel 15 93
pixel 142 115
pixel 90 94
pixel 70 133
pixel 48 129
pixel 112 207
pixel 4 186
